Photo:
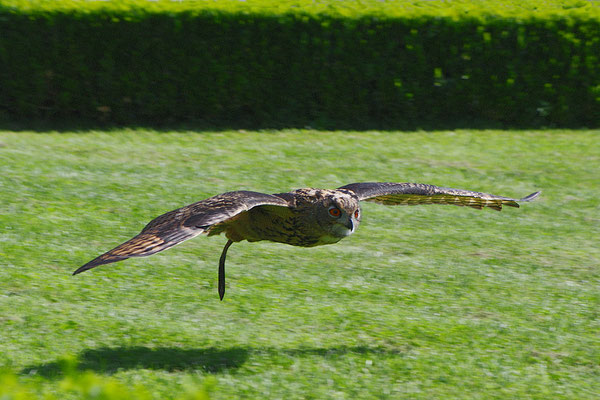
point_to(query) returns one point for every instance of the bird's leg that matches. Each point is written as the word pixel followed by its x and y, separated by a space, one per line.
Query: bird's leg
pixel 222 269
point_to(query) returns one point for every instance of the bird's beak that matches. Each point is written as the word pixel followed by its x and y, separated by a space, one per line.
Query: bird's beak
pixel 349 224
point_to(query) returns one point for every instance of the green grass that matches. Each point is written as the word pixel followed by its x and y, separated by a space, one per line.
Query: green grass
pixel 430 302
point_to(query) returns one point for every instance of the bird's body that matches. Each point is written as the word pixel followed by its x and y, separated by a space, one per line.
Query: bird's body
pixel 297 224
pixel 304 217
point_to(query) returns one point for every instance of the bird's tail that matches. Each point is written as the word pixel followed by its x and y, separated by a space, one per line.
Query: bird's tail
pixel 144 244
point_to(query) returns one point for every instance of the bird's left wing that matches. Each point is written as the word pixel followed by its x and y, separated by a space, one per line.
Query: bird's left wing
pixel 184 223
pixel 389 193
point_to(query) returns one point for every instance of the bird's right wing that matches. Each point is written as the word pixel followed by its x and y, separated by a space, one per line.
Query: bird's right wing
pixel 389 193
pixel 184 223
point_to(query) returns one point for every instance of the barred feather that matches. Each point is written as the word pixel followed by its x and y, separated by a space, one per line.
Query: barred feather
pixel 177 226
pixel 417 193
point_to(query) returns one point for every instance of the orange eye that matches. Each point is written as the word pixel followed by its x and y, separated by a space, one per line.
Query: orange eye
pixel 356 214
pixel 335 212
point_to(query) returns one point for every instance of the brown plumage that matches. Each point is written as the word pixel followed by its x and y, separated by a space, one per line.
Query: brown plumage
pixel 304 217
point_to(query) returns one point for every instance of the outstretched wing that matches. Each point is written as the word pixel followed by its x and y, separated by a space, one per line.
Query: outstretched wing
pixel 389 193
pixel 184 223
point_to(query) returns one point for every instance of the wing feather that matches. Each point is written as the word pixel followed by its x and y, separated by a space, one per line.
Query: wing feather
pixel 174 227
pixel 389 193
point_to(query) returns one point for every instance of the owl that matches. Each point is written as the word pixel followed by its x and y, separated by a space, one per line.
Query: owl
pixel 304 217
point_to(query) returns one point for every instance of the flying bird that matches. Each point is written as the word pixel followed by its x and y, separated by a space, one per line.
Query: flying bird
pixel 304 217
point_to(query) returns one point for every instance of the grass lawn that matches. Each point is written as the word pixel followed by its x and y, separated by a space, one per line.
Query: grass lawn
pixel 428 302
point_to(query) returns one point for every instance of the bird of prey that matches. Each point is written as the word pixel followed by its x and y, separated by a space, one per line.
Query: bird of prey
pixel 303 217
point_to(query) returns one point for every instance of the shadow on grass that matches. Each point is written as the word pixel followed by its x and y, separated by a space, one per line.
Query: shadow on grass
pixel 211 360
pixel 110 360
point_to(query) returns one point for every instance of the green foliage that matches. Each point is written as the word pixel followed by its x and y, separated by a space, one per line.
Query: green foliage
pixel 420 303
pixel 88 385
pixel 338 63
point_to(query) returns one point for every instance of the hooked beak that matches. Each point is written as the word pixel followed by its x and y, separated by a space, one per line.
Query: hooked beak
pixel 349 224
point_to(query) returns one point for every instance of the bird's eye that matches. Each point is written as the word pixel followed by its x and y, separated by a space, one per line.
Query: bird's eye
pixel 356 214
pixel 335 212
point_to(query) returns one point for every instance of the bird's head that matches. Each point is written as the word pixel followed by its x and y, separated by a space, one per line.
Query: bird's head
pixel 340 215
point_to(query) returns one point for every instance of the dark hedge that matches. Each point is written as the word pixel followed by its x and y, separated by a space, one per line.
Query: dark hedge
pixel 135 66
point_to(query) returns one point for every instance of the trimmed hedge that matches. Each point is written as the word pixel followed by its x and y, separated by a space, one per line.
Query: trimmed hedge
pixel 293 63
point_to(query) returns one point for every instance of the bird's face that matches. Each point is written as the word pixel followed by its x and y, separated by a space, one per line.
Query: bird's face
pixel 340 216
